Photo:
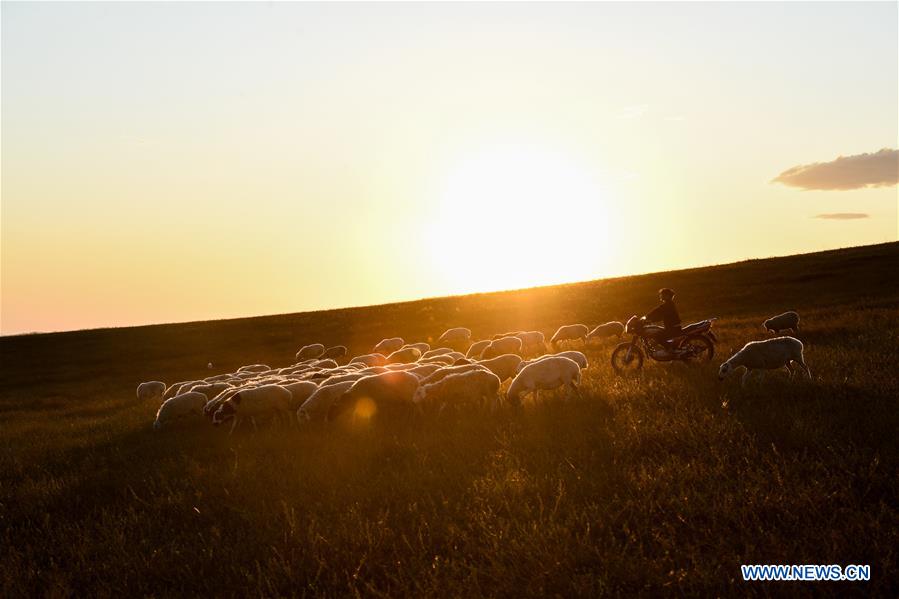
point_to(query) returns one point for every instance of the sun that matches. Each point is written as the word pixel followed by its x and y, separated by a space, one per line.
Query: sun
pixel 518 216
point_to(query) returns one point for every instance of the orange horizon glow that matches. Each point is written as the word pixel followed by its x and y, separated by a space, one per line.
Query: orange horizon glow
pixel 181 162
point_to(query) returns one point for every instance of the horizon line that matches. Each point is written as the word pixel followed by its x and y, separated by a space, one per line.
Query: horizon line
pixel 436 297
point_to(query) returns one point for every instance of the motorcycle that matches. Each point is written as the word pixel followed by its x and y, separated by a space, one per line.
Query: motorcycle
pixel 695 343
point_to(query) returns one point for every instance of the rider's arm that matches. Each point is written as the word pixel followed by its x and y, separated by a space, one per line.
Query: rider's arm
pixel 655 314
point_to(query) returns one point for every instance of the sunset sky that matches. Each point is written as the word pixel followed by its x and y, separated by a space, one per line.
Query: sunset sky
pixel 168 162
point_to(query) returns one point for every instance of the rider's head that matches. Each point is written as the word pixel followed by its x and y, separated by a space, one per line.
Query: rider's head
pixel 666 294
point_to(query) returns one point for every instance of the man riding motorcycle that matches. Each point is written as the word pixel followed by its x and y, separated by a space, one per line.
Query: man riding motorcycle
pixel 666 313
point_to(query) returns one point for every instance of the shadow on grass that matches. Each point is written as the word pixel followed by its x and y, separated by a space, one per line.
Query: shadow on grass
pixel 799 415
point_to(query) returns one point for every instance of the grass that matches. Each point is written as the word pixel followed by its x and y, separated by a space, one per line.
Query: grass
pixel 660 484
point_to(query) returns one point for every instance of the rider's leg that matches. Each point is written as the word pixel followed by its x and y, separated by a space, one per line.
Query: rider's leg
pixel 666 338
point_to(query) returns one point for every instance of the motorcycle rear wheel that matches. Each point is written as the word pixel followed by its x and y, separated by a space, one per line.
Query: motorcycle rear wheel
pixel 626 357
pixel 702 346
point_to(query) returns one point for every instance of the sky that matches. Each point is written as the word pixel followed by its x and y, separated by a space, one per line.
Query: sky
pixel 166 162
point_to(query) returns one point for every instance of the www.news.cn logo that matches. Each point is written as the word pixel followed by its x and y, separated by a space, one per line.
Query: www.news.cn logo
pixel 810 572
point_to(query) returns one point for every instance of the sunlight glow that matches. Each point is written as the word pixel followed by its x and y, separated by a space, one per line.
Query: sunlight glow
pixel 517 216
pixel 365 408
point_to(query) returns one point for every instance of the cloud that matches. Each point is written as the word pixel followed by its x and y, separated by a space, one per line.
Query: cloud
pixel 843 215
pixel 879 169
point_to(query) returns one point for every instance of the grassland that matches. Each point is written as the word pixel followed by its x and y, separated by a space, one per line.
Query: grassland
pixel 657 485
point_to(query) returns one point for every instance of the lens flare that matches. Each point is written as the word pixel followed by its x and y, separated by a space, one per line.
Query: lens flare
pixel 365 409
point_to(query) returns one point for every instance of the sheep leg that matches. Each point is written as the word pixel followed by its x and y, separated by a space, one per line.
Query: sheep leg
pixel 805 368
pixel 253 420
pixel 745 378
pixel 233 425
pixel 788 367
pixel 572 388
pixel 576 390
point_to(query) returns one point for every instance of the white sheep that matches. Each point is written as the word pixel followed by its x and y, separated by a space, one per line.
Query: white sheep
pixel 313 350
pixel 443 359
pixel 423 370
pixel 374 370
pixel 370 359
pixel 213 404
pixel 543 375
pixel 316 374
pixel 315 409
pixel 606 330
pixel 175 389
pixel 401 366
pixel 439 351
pixel 388 346
pixel 212 389
pixel 422 347
pixel 300 391
pixel 577 356
pixel 388 393
pixel 509 334
pixel 404 356
pixel 151 390
pixel 498 347
pixel 504 366
pixel 570 332
pixel 325 363
pixel 336 352
pixel 266 380
pixel 254 368
pixel 459 389
pixel 180 406
pixel 782 322
pixel 459 337
pixel 455 334
pixel 267 400
pixel 476 348
pixel 340 378
pixel 198 386
pixel 532 341
pixel 447 371
pixel 769 354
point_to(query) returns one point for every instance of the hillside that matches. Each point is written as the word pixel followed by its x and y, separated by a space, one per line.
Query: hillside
pixel 664 483
pixel 856 276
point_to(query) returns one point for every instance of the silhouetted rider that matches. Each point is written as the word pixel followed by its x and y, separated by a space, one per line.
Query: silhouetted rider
pixel 666 313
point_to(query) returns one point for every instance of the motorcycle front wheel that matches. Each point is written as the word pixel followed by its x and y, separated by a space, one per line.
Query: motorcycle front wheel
pixel 627 357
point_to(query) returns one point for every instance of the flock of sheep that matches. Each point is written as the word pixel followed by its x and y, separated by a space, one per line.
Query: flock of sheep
pixel 396 378
pixel 400 380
